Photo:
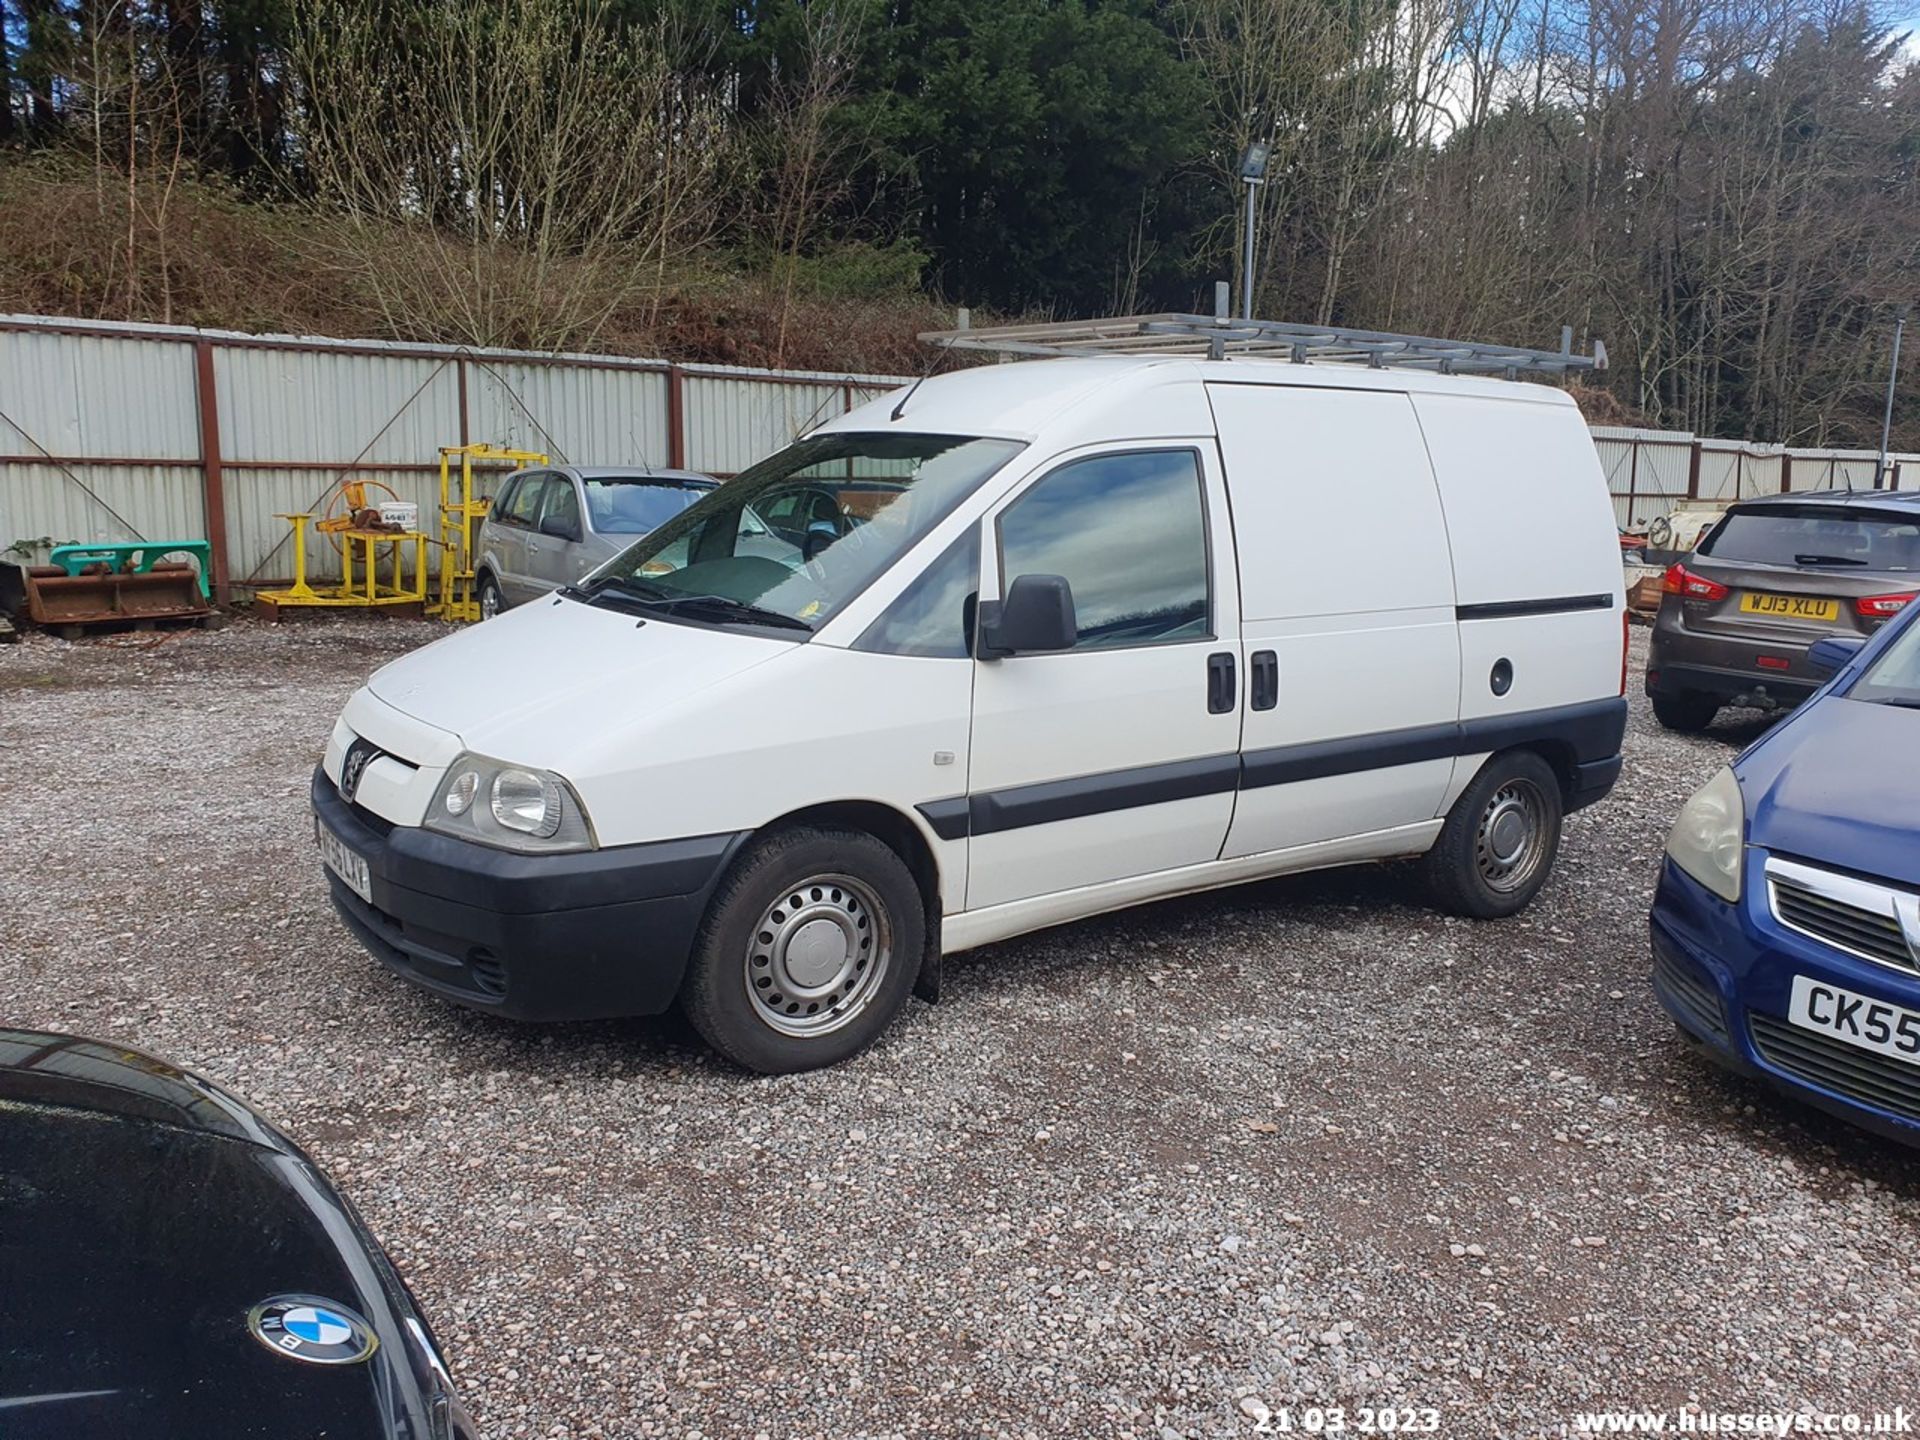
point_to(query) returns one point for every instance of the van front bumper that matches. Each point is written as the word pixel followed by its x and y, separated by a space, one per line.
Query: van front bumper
pixel 584 936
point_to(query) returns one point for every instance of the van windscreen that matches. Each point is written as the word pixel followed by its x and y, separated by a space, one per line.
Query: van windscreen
pixel 794 538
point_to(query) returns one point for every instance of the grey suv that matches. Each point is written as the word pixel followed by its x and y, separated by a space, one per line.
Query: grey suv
pixel 1773 576
pixel 549 526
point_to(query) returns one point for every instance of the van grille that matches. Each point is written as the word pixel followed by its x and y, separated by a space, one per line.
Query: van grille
pixel 379 824
pixel 1853 915
pixel 1834 1065
pixel 489 971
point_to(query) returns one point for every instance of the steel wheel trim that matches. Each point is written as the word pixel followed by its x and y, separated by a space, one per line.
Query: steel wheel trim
pixel 818 955
pixel 1511 844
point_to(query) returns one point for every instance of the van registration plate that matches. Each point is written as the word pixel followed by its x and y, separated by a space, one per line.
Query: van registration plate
pixel 343 861
pixel 1789 607
pixel 1860 1020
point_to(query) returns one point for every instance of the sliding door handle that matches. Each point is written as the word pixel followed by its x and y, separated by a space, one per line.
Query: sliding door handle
pixel 1220 683
pixel 1265 682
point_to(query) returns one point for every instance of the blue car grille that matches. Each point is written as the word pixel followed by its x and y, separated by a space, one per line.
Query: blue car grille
pixel 1861 1075
pixel 1693 992
pixel 1838 923
pixel 1849 912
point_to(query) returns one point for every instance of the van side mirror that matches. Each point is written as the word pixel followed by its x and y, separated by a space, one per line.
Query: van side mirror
pixel 559 527
pixel 1036 617
pixel 1830 654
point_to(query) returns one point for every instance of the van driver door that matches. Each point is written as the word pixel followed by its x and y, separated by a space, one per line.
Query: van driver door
pixel 1118 757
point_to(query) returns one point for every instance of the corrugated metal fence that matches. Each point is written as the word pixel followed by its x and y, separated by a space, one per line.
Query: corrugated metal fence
pixel 1651 472
pixel 141 432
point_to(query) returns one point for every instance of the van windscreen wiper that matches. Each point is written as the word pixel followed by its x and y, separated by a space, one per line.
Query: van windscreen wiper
pixel 615 592
pixel 638 597
pixel 734 610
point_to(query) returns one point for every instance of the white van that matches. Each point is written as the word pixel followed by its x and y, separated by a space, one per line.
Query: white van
pixel 1041 640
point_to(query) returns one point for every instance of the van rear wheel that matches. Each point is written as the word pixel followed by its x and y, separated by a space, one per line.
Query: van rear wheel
pixel 1499 842
pixel 808 951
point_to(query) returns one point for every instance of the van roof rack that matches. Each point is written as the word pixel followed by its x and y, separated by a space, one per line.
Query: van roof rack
pixel 1216 337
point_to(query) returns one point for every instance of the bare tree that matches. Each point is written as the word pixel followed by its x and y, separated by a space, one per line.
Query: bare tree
pixel 810 149
pixel 541 162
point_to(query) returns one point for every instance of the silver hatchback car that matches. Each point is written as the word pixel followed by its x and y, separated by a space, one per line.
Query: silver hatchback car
pixel 549 526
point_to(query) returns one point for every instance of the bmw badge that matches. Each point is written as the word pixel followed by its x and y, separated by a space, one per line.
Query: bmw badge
pixel 305 1327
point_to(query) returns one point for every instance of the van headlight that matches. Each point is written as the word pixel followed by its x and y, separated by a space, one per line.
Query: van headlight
pixel 512 807
pixel 1707 838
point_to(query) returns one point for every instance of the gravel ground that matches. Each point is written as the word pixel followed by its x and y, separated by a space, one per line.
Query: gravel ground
pixel 1151 1175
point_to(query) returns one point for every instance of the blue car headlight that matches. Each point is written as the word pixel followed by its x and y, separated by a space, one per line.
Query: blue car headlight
pixel 1707 839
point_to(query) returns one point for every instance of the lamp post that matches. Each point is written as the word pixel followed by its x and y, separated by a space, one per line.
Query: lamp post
pixel 1253 174
pixel 1900 314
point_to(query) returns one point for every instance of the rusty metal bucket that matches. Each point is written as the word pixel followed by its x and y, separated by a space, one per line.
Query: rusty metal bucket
pixel 101 595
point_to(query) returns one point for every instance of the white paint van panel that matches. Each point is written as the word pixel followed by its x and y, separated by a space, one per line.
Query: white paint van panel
pixel 1052 717
pixel 399 786
pixel 1559 659
pixel 397 732
pixel 1072 401
pixel 999 922
pixel 1334 501
pixel 667 730
pixel 535 671
pixel 1307 812
pixel 1040 719
pixel 397 791
pixel 1045 718
pixel 1346 579
pixel 1345 675
pixel 816 725
pixel 1090 850
pixel 1526 501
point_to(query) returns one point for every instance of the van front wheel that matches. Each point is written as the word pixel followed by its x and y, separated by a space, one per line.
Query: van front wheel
pixel 1498 844
pixel 808 951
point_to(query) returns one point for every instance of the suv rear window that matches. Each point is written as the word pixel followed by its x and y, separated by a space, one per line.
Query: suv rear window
pixel 1816 535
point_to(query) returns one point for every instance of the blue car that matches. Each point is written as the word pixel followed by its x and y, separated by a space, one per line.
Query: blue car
pixel 1786 927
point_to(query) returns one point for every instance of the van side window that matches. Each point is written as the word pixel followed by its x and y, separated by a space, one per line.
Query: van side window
pixel 1129 534
pixel 933 616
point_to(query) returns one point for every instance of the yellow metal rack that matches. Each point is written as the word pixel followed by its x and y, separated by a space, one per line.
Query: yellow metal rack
pixel 460 516
pixel 363 589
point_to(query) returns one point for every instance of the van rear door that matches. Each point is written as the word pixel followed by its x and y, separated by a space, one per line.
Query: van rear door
pixel 1119 757
pixel 1347 593
pixel 1536 564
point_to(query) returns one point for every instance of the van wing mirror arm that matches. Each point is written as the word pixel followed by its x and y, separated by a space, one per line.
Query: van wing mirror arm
pixel 1036 617
pixel 986 631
